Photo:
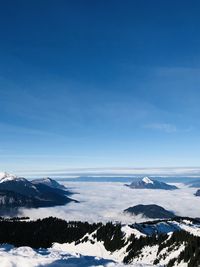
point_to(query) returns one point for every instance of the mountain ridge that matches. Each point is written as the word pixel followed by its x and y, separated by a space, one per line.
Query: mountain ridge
pixel 147 183
pixel 18 192
pixel 151 211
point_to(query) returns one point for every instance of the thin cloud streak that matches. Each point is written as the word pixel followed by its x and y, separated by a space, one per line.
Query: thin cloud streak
pixel 165 127
pixel 113 171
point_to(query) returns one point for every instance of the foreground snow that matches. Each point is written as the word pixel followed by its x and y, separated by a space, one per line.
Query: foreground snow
pixel 52 257
pixel 91 249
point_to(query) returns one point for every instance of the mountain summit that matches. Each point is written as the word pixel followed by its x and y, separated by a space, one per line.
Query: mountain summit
pixel 147 183
pixel 4 176
pixel 17 192
pixel 49 182
pixel 147 180
pixel 150 211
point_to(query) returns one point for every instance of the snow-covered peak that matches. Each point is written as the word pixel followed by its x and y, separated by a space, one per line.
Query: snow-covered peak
pixel 49 182
pixel 4 177
pixel 147 180
pixel 47 179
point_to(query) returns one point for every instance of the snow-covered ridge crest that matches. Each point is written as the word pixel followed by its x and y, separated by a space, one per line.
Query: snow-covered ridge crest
pixel 4 176
pixel 147 180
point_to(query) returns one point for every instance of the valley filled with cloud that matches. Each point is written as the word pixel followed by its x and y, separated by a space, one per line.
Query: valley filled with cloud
pixel 106 201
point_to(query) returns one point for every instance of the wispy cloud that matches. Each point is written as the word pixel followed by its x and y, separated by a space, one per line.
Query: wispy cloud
pixel 112 172
pixel 165 127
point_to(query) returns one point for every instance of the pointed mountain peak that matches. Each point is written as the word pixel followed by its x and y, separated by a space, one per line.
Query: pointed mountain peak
pixel 4 176
pixel 147 180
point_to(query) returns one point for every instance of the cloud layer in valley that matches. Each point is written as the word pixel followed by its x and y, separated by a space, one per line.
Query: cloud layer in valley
pixel 106 202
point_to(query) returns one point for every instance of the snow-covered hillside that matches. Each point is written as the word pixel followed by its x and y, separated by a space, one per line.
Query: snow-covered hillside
pixel 174 242
pixel 52 257
pixel 159 251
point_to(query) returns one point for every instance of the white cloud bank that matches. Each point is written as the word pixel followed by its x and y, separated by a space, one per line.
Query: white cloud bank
pixel 106 202
pixel 113 171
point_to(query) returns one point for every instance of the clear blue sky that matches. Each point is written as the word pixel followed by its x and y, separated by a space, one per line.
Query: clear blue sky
pixel 99 83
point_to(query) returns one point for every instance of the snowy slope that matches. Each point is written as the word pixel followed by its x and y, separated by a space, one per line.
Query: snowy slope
pixel 27 257
pixel 148 254
pixel 139 247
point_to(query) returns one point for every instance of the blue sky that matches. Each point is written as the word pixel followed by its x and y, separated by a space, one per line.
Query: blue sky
pixel 99 84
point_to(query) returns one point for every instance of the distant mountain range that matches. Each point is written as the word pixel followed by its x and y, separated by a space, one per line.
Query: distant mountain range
pixel 125 179
pixel 147 183
pixel 150 211
pixel 194 183
pixel 49 182
pixel 16 192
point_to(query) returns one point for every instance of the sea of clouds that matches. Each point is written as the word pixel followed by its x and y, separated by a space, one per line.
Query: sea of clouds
pixel 98 202
pixel 106 202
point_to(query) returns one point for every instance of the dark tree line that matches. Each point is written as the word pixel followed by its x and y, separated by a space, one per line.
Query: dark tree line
pixel 43 233
pixel 190 254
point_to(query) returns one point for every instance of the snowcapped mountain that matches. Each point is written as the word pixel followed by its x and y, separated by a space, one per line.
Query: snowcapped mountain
pixel 150 211
pixel 18 192
pixel 4 176
pixel 147 183
pixel 147 180
pixel 48 181
pixel 18 185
